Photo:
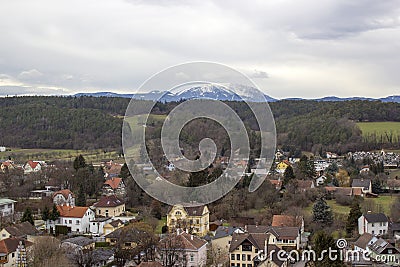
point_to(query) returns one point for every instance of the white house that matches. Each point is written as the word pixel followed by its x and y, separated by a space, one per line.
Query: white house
pixel 3 149
pixel 97 225
pixel 9 250
pixel 320 180
pixel 6 207
pixel 373 223
pixel 64 197
pixel 364 184
pixel 33 166
pixel 77 219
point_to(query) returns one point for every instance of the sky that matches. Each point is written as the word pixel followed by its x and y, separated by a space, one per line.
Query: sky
pixel 299 48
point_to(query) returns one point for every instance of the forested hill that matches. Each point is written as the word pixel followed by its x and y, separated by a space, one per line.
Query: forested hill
pixel 96 122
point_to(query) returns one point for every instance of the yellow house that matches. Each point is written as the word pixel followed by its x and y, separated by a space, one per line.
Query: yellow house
pixel 112 226
pixel 195 220
pixel 109 206
pixel 281 167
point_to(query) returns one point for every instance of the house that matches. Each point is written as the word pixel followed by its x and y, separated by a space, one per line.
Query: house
pixel 189 249
pixel 109 205
pixel 373 223
pixel 304 185
pixel 114 186
pixel 78 242
pixel 364 185
pixel 378 249
pixel 126 237
pixel 223 237
pixel 6 207
pixel 97 225
pixel 9 250
pixel 102 257
pixel 194 219
pixel 320 180
pixel 7 165
pixel 288 221
pixel 246 248
pixel 22 230
pixel 281 167
pixel 33 166
pixel 286 238
pixel 76 219
pixel 112 170
pixel 394 230
pixel 112 226
pixel 64 197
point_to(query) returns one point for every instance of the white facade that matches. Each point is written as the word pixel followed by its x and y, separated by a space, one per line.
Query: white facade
pixel 374 228
pixel 97 225
pixel 76 224
pixel 2 149
pixel 6 207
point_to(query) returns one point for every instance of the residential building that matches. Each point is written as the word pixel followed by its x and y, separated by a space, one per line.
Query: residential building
pixel 286 238
pixel 6 207
pixel 281 166
pixel 193 219
pixel 22 230
pixel 33 166
pixel 189 249
pixel 109 206
pixel 126 237
pixel 114 186
pixel 76 219
pixel 288 221
pixel 246 248
pixel 8 250
pixel 373 223
pixel 222 239
pixel 64 197
pixel 97 225
pixel 362 184
pixel 78 242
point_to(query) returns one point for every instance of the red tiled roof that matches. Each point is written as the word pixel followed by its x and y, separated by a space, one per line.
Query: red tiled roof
pixel 33 164
pixel 64 192
pixel 113 182
pixel 187 241
pixel 73 212
pixel 287 220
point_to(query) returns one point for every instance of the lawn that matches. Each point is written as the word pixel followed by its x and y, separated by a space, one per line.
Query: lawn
pixel 161 223
pixel 384 203
pixel 381 130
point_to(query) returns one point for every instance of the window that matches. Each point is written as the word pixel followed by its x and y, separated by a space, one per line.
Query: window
pixel 127 244
pixel 243 265
pixel 233 257
pixel 244 257
pixel 191 257
pixel 246 247
pixel 248 257
pixel 372 225
pixel 77 222
pixel 232 265
pixel 178 213
pixel 249 265
pixel 70 221
pixel 238 257
pixel 99 211
pixel 256 250
pixel 373 232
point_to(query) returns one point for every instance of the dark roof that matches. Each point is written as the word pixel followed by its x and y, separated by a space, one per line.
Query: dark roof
pixel 21 229
pixel 256 228
pixel 363 240
pixel 223 231
pixel 256 239
pixel 10 245
pixel 116 223
pixel 365 183
pixel 109 201
pixel 395 227
pixel 284 232
pixel 79 241
pixel 380 245
pixel 100 255
pixel 128 234
pixel 192 211
pixel 375 217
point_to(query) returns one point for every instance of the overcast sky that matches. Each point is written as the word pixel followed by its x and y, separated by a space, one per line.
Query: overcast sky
pixel 289 48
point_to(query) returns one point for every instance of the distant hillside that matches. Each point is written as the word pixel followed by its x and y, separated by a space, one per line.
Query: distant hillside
pixel 96 122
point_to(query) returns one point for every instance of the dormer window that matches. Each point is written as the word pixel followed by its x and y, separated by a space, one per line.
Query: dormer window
pixel 178 213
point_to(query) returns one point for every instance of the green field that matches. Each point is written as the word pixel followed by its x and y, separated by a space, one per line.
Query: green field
pixel 387 131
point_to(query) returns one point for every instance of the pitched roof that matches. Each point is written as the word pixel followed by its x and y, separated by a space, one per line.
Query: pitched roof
pixel 128 234
pixel 21 229
pixel 363 240
pixel 287 220
pixel 256 239
pixel 365 183
pixel 183 241
pixel 380 245
pixel 113 182
pixel 375 217
pixel 192 211
pixel 10 245
pixel 64 192
pixel 109 201
pixel 284 232
pixel 256 228
pixel 73 212
pixel 150 264
pixel 79 240
pixel 116 223
pixel 32 163
pixel 223 231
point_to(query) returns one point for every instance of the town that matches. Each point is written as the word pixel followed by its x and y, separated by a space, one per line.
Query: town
pixel 85 214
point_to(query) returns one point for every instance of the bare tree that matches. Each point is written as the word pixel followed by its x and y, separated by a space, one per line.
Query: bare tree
pixel 82 257
pixel 217 256
pixel 171 251
pixel 47 252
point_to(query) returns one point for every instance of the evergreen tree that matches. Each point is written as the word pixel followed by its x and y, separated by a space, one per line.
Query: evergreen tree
pixel 79 162
pixel 288 175
pixel 322 212
pixel 197 178
pixel 81 199
pixel 124 172
pixel 323 242
pixel 55 214
pixel 46 214
pixel 354 214
pixel 27 216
